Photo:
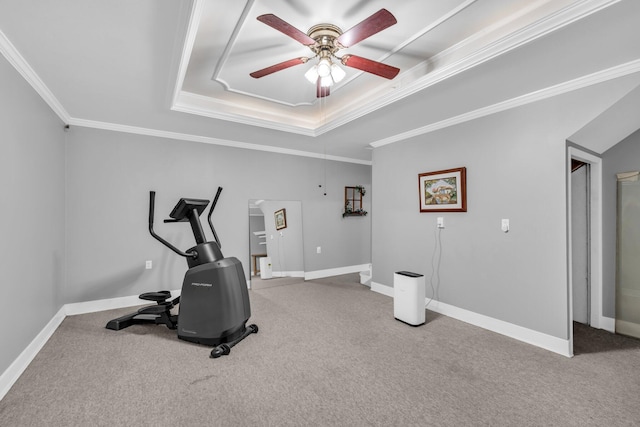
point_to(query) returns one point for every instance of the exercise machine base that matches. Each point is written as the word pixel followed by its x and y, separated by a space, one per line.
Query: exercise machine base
pixel 224 349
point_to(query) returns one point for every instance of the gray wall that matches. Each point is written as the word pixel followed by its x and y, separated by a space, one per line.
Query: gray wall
pixel 623 157
pixel 109 175
pixel 32 214
pixel 516 169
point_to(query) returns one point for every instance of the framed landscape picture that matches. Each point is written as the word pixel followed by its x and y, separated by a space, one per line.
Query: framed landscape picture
pixel 281 219
pixel 443 191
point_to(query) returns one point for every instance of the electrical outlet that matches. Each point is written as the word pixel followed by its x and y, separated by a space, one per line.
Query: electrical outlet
pixel 440 222
pixel 505 225
pixel 319 250
pixel 148 265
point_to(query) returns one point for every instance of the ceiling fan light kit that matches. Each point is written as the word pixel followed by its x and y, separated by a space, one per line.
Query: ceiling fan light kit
pixel 328 73
pixel 325 40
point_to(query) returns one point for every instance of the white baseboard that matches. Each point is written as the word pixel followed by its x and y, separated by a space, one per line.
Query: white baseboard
pixel 13 372
pixel 287 273
pixel 608 324
pixel 382 289
pixel 107 304
pixel 101 305
pixel 627 328
pixel 320 274
pixel 547 342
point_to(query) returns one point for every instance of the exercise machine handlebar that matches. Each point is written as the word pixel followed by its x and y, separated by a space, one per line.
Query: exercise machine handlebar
pixel 213 205
pixel 152 201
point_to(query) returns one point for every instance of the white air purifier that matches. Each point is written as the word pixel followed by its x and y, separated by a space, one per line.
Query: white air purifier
pixel 409 298
pixel 266 268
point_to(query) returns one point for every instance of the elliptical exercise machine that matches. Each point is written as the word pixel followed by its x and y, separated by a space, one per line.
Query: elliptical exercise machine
pixel 214 301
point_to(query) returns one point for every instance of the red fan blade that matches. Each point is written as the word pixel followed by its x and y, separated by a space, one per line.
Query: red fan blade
pixel 278 67
pixel 284 27
pixel 374 24
pixel 321 91
pixel 373 67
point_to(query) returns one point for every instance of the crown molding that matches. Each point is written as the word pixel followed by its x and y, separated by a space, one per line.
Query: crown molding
pixel 549 92
pixel 504 45
pixel 18 62
pixel 209 140
pixel 190 39
pixel 205 106
pixel 543 27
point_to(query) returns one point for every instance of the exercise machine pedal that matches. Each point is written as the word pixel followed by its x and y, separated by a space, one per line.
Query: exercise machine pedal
pixel 159 314
pixel 155 296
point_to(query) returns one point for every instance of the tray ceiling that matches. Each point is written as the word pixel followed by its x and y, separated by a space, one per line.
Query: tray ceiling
pixel 180 68
pixel 431 41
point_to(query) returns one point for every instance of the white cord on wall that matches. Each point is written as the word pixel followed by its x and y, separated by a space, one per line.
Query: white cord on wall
pixel 435 266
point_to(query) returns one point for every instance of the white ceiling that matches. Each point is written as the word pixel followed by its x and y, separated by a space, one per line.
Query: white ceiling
pixel 180 69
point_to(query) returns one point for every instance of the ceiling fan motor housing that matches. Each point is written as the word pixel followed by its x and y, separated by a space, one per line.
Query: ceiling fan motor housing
pixel 325 36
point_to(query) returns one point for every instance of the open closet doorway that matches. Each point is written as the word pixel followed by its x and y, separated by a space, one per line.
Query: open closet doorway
pixel 584 240
pixel 580 240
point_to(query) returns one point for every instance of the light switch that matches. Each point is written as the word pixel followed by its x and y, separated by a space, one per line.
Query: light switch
pixel 505 225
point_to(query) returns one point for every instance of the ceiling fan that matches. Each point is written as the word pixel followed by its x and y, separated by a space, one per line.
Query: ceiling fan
pixel 325 40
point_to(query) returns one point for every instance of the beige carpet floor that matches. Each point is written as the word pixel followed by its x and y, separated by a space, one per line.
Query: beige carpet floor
pixel 329 352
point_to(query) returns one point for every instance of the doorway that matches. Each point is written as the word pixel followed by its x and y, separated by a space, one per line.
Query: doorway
pixel 588 241
pixel 580 240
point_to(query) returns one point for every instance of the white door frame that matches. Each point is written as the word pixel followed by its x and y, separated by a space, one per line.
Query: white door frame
pixel 595 230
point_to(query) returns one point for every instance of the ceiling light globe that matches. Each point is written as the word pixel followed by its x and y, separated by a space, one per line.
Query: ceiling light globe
pixel 337 73
pixel 324 67
pixel 312 74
